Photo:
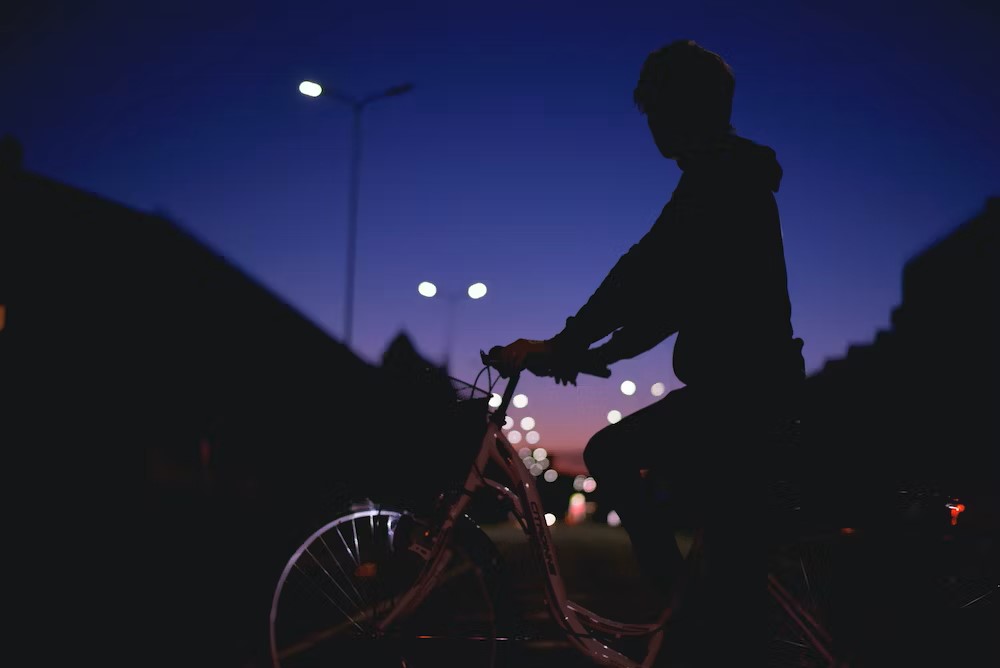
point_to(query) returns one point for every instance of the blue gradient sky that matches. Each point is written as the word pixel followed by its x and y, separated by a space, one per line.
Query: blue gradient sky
pixel 518 159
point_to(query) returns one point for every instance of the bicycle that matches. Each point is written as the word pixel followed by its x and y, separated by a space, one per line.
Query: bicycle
pixel 382 585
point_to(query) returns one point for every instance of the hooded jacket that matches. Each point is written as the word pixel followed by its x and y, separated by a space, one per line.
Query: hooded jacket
pixel 712 270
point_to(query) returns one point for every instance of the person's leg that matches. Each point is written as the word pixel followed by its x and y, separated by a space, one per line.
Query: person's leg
pixel 615 456
pixel 733 597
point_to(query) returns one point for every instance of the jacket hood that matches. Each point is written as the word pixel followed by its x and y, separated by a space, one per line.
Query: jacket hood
pixel 739 158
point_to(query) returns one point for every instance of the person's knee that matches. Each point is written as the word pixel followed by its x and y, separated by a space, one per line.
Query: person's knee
pixel 598 453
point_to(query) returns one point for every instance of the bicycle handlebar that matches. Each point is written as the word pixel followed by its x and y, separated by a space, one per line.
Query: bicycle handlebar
pixel 534 364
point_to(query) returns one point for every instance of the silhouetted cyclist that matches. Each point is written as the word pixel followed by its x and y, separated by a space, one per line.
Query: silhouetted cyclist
pixel 711 270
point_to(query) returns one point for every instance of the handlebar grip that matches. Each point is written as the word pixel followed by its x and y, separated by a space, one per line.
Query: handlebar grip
pixel 492 359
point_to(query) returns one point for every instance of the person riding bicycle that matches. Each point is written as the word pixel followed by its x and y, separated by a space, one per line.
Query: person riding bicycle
pixel 712 271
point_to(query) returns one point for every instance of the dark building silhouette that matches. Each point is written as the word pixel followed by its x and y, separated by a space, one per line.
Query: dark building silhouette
pixel 124 337
pixel 918 406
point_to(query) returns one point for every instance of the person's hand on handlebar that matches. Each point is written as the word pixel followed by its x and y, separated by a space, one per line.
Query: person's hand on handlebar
pixel 543 358
pixel 513 357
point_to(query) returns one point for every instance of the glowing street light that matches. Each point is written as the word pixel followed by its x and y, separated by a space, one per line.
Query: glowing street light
pixel 313 89
pixel 310 88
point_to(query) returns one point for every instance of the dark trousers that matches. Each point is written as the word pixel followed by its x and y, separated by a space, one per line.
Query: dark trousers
pixel 707 450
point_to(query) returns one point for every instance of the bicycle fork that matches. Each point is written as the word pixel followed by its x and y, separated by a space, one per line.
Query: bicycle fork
pixel 434 549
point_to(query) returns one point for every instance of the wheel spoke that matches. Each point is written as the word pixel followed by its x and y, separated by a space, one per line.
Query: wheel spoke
pixel 335 604
pixel 362 602
pixel 358 604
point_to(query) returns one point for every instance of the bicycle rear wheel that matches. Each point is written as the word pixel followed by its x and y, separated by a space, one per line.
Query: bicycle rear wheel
pixel 922 601
pixel 347 575
pixel 801 603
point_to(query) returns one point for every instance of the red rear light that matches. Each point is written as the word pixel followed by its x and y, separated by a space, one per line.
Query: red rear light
pixel 955 509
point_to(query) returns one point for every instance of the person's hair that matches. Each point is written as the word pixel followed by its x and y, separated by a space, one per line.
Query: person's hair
pixel 690 83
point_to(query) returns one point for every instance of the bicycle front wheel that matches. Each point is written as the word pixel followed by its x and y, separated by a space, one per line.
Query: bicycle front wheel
pixel 348 575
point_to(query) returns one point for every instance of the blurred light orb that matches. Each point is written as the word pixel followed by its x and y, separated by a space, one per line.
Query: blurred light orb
pixel 577 500
pixel 524 452
pixel 658 389
pixel 536 469
pixel 550 519
pixel 614 416
pixel 550 475
pixel 310 88
pixel 508 422
pixel 427 289
pixel 520 401
pixel 544 463
pixel 477 290
pixel 514 436
pixel 628 388
pixel 614 520
pixel 578 482
pixel 495 400
pixel 532 437
pixel 589 485
pixel 527 423
pixel 539 454
pixel 528 462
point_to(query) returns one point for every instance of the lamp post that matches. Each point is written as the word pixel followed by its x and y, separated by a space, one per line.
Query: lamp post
pixel 474 291
pixel 357 105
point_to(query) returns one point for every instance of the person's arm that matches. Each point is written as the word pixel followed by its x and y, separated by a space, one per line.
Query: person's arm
pixel 619 298
pixel 652 266
pixel 633 340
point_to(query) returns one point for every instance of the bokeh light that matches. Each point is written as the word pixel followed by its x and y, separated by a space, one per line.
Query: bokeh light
pixel 550 475
pixel 550 519
pixel 527 423
pixel 532 437
pixel 589 484
pixel 495 400
pixel 524 452
pixel 658 389
pixel 628 388
pixel 520 401
pixel 578 482
pixel 477 290
pixel 614 416
pixel 427 289
pixel 539 454
pixel 613 519
pixel 514 436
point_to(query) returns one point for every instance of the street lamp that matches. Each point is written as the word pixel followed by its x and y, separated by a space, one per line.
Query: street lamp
pixel 474 291
pixel 313 89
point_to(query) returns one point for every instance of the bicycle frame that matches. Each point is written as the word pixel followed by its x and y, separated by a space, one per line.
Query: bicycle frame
pixel 582 628
pixel 577 622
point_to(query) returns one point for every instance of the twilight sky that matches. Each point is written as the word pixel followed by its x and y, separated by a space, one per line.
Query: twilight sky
pixel 517 159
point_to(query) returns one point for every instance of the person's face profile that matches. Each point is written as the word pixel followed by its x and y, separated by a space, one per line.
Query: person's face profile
pixel 666 133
